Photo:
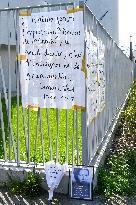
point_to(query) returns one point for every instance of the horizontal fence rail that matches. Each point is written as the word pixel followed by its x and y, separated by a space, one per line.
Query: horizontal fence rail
pixel 71 135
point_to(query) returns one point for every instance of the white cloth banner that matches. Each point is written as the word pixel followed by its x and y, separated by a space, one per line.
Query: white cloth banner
pixel 53 45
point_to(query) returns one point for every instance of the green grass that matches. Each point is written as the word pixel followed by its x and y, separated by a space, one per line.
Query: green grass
pixel 53 133
pixel 118 175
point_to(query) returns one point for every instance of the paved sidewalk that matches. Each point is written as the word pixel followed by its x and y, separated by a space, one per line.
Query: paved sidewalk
pixel 59 199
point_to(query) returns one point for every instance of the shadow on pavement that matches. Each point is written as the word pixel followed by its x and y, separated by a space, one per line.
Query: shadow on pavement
pixel 59 199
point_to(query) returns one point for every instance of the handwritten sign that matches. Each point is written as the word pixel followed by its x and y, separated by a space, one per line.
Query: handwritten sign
pixel 101 75
pixel 92 73
pixel 95 63
pixel 52 46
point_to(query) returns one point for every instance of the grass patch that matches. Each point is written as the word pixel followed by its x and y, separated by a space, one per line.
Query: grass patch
pixel 53 133
pixel 118 175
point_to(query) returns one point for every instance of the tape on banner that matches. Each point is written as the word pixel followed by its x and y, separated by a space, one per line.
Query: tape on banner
pixel 92 120
pixel 98 114
pixel 103 108
pixel 21 57
pixel 77 107
pixel 84 66
pixel 98 80
pixel 74 10
pixel 25 13
pixel 33 107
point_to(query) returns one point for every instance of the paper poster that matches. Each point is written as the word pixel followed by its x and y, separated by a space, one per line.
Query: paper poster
pixel 101 75
pixel 95 63
pixel 51 53
pixel 81 182
pixel 92 73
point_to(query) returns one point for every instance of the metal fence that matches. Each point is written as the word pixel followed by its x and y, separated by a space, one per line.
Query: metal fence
pixel 119 77
pixel 29 136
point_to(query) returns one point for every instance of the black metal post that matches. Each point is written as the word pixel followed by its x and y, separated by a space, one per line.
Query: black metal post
pixel 131 57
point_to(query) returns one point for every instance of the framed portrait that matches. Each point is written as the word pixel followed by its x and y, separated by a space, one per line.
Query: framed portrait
pixel 82 182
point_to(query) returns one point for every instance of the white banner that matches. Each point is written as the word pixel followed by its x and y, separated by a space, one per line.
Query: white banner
pixel 51 53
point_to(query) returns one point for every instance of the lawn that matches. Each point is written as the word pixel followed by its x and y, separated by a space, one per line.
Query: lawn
pixel 53 133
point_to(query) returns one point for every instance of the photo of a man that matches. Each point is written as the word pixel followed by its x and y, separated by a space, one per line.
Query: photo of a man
pixel 81 183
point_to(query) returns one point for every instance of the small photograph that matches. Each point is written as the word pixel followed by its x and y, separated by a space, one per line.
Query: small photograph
pixel 81 182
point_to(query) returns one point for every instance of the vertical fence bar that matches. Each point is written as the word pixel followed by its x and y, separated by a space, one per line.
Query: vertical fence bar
pixel 41 131
pixel 73 132
pixel 9 83
pixel 18 93
pixel 57 134
pixel 107 80
pixel 66 7
pixel 47 113
pixel 91 128
pixel 49 134
pixel 109 84
pixel 73 124
pixel 77 144
pixel 84 114
pixel 96 118
pixel 93 137
pixel 8 100
pixel 84 139
pixel 24 128
pixel 2 127
pixel 42 137
pixel 29 126
pixel 28 140
pixel 36 140
pixel 66 136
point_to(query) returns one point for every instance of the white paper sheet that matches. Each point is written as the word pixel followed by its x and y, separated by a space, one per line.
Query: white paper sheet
pixel 96 81
pixel 53 43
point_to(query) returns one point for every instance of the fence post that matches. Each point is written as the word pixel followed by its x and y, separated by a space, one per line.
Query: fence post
pixel 131 57
pixel 84 114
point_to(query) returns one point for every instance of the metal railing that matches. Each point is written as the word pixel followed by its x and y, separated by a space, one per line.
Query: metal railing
pixel 54 134
pixel 119 77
